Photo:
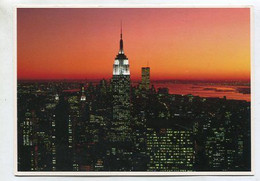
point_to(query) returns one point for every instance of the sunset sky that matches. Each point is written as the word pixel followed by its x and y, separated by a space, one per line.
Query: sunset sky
pixel 177 43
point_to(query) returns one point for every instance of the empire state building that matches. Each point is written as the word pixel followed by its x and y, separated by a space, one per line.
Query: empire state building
pixel 120 132
pixel 121 64
pixel 121 94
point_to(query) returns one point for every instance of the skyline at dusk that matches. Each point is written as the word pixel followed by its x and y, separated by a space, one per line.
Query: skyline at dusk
pixel 134 90
pixel 177 43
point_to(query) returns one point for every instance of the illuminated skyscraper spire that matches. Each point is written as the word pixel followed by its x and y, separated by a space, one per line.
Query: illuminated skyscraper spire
pixel 121 64
pixel 121 51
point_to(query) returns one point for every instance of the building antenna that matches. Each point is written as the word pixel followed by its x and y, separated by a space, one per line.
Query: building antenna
pixel 121 30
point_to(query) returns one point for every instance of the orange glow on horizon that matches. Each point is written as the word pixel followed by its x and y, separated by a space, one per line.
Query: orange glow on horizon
pixel 177 43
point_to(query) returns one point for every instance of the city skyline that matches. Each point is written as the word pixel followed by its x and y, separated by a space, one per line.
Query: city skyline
pixel 181 43
pixel 121 125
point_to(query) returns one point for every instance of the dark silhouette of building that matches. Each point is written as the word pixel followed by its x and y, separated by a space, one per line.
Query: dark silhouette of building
pixel 145 84
pixel 64 157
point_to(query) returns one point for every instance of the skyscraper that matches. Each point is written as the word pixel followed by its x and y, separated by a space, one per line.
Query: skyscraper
pixel 120 133
pixel 121 94
pixel 83 96
pixel 63 135
pixel 145 84
pixel 170 149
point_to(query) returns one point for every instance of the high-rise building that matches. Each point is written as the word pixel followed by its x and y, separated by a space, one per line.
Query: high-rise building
pixel 64 158
pixel 121 95
pixel 83 96
pixel 120 133
pixel 170 149
pixel 26 147
pixel 145 84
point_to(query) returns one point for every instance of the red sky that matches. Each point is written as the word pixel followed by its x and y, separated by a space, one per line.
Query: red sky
pixel 178 43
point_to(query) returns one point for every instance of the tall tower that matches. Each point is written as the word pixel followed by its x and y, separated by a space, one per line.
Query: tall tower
pixel 145 78
pixel 121 64
pixel 121 93
pixel 62 135
pixel 120 132
pixel 83 96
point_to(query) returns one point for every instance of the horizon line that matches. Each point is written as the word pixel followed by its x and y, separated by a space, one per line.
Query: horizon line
pixel 139 79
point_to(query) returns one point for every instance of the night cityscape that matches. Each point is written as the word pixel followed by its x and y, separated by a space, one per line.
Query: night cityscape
pixel 118 125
